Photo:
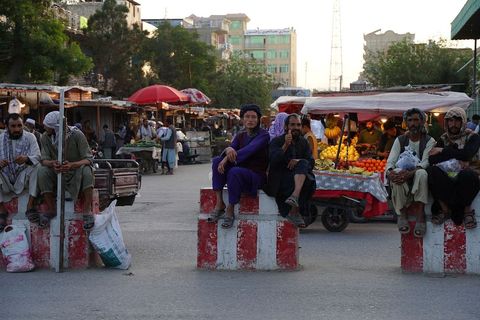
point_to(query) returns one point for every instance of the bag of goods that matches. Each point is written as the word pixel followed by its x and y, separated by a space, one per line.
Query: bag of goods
pixel 407 160
pixel 106 237
pixel 332 130
pixel 15 249
pixel 452 167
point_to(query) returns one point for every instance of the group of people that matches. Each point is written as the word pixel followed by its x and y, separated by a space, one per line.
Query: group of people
pixel 29 166
pixel 282 165
pixel 446 168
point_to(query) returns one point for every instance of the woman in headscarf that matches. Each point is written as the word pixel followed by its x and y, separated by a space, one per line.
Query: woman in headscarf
pixel 452 178
pixel 278 126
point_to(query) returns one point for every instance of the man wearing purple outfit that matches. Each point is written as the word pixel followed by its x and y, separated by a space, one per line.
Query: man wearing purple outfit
pixel 242 166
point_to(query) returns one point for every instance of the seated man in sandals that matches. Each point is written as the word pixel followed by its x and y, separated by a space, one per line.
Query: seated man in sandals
pixel 290 178
pixel 455 186
pixel 242 166
pixel 76 169
pixel 410 187
pixel 19 160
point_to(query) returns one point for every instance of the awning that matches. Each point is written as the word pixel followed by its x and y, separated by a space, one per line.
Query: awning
pixel 467 23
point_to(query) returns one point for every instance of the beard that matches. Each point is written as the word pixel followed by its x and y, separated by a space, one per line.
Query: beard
pixel 15 136
pixel 453 130
pixel 415 129
pixel 296 133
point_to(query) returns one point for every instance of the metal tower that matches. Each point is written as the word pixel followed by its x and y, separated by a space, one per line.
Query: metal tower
pixel 336 66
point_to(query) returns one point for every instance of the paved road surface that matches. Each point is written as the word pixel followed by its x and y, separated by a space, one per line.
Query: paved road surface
pixel 350 275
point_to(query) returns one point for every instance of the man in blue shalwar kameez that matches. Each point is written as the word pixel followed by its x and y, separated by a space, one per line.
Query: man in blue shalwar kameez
pixel 242 166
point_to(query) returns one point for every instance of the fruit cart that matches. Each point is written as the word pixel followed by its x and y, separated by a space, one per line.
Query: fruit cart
pixel 146 153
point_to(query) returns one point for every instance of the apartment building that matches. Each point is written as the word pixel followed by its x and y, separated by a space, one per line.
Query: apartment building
pixel 375 41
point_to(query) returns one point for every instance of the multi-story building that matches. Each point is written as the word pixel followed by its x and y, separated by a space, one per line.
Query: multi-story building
pixel 86 8
pixel 375 41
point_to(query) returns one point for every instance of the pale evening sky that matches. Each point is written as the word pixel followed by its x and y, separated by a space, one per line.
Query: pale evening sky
pixel 427 19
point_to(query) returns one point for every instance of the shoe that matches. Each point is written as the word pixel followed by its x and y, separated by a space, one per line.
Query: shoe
pixel 228 222
pixel 297 220
pixel 403 225
pixel 292 201
pixel 217 215
pixel 419 230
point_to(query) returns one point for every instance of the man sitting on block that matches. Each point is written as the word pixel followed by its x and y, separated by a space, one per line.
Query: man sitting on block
pixel 290 177
pixel 76 169
pixel 19 159
pixel 242 166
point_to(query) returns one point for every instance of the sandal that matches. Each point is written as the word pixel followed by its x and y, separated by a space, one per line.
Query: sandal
pixel 3 221
pixel 88 222
pixel 228 222
pixel 403 225
pixel 439 218
pixel 292 201
pixel 419 230
pixel 32 215
pixel 297 220
pixel 44 220
pixel 469 220
pixel 217 215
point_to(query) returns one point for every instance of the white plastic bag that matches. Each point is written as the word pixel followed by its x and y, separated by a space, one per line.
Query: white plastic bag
pixel 452 167
pixel 15 249
pixel 407 159
pixel 106 237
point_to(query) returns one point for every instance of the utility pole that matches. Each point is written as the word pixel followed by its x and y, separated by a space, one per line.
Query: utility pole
pixel 336 65
pixel 306 69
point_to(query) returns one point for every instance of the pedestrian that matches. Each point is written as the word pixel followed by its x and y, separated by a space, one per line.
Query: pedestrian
pixel 108 143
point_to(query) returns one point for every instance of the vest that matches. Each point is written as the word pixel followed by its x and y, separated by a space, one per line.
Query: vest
pixel 404 141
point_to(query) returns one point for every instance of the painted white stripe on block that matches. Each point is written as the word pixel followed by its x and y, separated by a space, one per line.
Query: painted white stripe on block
pixel 227 247
pixel 473 250
pixel 267 245
pixel 267 205
pixel 54 241
pixel 433 249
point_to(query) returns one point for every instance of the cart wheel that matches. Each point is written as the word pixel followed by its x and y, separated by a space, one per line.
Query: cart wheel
pixel 312 215
pixel 334 219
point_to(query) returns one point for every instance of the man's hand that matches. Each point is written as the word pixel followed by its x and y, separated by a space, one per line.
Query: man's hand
pixel 435 151
pixel 57 167
pixel 67 166
pixel 21 159
pixel 231 154
pixel 464 164
pixel 221 166
pixel 292 163
pixel 3 163
pixel 400 177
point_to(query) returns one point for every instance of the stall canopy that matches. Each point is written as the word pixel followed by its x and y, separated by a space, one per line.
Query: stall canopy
pixel 388 103
pixel 467 23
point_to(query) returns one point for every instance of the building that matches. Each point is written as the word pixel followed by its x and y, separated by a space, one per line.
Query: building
pixel 86 8
pixel 172 22
pixel 376 42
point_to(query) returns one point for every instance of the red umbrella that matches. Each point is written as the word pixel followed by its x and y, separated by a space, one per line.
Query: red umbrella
pixel 157 94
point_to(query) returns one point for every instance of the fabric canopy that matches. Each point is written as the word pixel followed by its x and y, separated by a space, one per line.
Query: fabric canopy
pixel 388 103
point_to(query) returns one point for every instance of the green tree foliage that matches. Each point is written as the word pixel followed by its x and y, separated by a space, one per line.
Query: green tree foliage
pixel 407 63
pixel 117 50
pixel 179 59
pixel 243 80
pixel 34 47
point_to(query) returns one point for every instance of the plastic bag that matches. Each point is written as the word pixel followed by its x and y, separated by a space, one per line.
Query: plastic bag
pixel 452 167
pixel 106 237
pixel 407 159
pixel 15 249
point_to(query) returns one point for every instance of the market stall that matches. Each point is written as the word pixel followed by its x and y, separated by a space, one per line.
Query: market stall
pixel 147 154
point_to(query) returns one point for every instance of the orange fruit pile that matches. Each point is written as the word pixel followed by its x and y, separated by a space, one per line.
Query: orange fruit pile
pixel 371 165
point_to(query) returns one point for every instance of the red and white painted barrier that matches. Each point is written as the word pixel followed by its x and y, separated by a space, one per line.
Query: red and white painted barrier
pixel 44 243
pixel 445 248
pixel 260 239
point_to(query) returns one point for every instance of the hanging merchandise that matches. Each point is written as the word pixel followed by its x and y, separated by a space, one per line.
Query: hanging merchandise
pixel 15 106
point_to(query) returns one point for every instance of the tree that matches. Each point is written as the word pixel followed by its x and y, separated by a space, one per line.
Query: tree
pixel 243 80
pixel 178 58
pixel 116 50
pixel 34 46
pixel 407 63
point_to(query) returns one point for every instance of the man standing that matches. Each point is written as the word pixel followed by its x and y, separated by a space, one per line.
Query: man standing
pixel 19 159
pixel 76 169
pixel 145 132
pixel 387 139
pixel 410 187
pixel 108 143
pixel 30 126
pixel 311 138
pixel 169 143
pixel 290 178
pixel 453 189
pixel 242 166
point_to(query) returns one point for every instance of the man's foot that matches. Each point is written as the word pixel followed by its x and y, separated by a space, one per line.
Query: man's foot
pixel 228 222
pixel 88 222
pixel 469 220
pixel 32 215
pixel 402 224
pixel 297 220
pixel 216 215
pixel 419 230
pixel 44 219
pixel 292 201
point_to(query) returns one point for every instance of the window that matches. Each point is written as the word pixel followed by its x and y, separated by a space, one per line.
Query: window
pixel 284 68
pixel 235 40
pixel 235 25
pixel 254 40
pixel 281 39
pixel 283 54
pixel 257 54
pixel 271 54
pixel 272 39
pixel 272 68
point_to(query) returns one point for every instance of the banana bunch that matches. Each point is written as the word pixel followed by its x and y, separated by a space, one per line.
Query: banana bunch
pixel 356 170
pixel 323 164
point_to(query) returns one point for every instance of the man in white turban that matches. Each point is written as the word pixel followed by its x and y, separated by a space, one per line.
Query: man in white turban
pixel 76 168
pixel 19 162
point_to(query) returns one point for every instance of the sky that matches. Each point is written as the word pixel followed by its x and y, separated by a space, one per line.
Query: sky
pixel 312 20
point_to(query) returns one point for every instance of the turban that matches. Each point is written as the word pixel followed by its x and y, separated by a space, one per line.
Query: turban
pixel 52 120
pixel 250 107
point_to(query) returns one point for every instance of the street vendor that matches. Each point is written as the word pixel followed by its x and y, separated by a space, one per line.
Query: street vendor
pixel 145 131
pixel 369 135
pixel 76 169
pixel 390 133
pixel 19 160
pixel 311 138
pixel 409 184
pixel 290 177
pixel 452 178
pixel 242 166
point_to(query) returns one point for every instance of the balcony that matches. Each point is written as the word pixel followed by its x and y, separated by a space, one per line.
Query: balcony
pixel 218 26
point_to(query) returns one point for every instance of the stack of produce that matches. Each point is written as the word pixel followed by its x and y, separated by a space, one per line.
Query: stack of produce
pixel 144 144
pixel 331 153
pixel 324 164
pixel 332 131
pixel 371 165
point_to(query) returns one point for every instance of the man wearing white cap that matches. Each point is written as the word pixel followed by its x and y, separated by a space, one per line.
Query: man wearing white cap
pixel 76 168
pixel 19 159
pixel 30 127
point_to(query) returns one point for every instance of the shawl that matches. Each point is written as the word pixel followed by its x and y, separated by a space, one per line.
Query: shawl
pixel 461 138
pixel 12 170
pixel 278 126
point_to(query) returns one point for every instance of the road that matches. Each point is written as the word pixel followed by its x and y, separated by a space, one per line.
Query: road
pixel 350 275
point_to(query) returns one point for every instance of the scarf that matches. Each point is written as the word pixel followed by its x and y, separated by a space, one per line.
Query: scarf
pixel 278 126
pixel 12 170
pixel 461 138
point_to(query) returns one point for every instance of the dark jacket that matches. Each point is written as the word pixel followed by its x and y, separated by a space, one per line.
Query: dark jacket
pixel 252 152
